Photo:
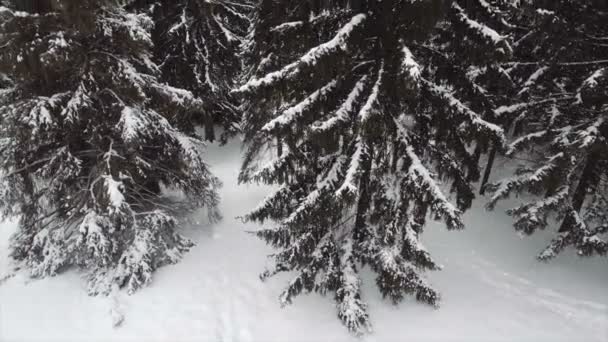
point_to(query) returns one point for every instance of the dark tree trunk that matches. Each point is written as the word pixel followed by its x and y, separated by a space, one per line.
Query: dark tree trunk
pixel 586 181
pixel 488 170
pixel 279 146
pixel 476 157
pixel 210 131
pixel 364 199
pixel 281 177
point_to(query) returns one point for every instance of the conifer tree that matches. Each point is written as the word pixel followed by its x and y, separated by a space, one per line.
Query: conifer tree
pixel 350 117
pixel 560 119
pixel 197 47
pixel 87 147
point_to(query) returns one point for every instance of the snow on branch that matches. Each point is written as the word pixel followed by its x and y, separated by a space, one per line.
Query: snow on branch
pixel 79 100
pixel 270 169
pixel 136 123
pixel 504 188
pixel 137 80
pixel 39 111
pixel 593 80
pixel 94 236
pixel 155 244
pixel 308 277
pixel 525 140
pixel 397 276
pixel 349 185
pixel 587 242
pixel 50 243
pixel 230 36
pixel 591 83
pixel 368 109
pixel 343 114
pixel 178 96
pixel 338 43
pixel 323 186
pixel 411 241
pixel 462 110
pixel 420 177
pixel 591 134
pixel 191 148
pixel 293 113
pixel 532 79
pixel 114 192
pixel 486 32
pixel 488 7
pixel 136 26
pixel 409 66
pixel 131 123
pixel 5 10
pixel 351 309
pixel 531 216
pixel 183 20
pixel 510 109
pixel 264 210
pixel 287 26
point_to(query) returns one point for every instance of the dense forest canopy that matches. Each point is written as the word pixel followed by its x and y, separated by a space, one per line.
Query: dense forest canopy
pixel 369 118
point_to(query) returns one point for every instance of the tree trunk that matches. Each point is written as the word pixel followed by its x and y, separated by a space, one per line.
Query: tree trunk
pixel 395 156
pixel 488 170
pixel 210 131
pixel 476 157
pixel 587 179
pixel 279 146
pixel 364 199
pixel 281 177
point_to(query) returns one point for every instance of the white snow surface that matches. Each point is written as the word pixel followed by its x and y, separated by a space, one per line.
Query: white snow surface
pixel 493 290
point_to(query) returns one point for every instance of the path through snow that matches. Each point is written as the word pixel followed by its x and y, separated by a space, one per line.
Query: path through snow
pixel 493 290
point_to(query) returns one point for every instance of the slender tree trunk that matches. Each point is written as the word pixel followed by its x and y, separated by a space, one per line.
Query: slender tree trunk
pixel 281 177
pixel 476 157
pixel 587 179
pixel 488 170
pixel 364 198
pixel 210 131
pixel 395 156
pixel 279 146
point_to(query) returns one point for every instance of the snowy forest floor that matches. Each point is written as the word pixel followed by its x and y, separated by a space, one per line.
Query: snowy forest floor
pixel 493 290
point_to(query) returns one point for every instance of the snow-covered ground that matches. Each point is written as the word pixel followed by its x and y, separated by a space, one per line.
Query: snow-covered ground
pixel 493 290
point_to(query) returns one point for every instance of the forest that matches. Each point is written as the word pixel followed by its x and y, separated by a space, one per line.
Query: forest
pixel 365 121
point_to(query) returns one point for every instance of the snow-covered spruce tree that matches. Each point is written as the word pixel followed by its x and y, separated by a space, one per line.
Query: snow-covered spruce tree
pixel 352 121
pixel 197 48
pixel 87 147
pixel 560 116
